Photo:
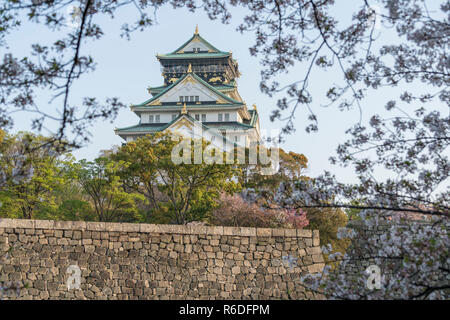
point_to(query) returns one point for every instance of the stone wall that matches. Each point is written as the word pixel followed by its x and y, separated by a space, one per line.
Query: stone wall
pixel 143 261
pixel 361 253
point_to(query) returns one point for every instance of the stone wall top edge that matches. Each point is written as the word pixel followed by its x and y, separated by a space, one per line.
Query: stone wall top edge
pixel 154 228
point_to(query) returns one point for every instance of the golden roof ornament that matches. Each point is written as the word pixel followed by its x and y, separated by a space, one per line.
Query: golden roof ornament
pixel 254 106
pixel 184 110
pixel 196 30
pixel 189 68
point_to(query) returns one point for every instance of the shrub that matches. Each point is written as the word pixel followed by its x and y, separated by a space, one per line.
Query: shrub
pixel 234 211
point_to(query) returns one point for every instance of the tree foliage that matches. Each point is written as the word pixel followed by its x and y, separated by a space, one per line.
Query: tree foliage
pixel 189 190
pixel 409 53
pixel 30 174
pixel 102 184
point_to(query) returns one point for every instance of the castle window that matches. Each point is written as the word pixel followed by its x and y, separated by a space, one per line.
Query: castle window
pixel 150 118
pixel 203 117
pixel 197 117
pixel 197 98
pixel 181 98
pixel 191 98
pixel 227 117
pixel 236 138
pixel 220 117
pixel 186 98
pixel 157 118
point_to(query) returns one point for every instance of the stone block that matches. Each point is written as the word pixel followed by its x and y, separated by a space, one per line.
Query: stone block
pixel 313 250
pixel 316 238
pixel 290 232
pixel 278 232
pixel 303 233
pixel 263 232
pixel 315 268
pixel 43 224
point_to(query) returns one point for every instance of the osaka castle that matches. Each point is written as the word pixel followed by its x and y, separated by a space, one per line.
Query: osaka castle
pixel 199 92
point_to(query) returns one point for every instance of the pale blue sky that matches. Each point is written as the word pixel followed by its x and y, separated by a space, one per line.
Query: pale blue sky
pixel 126 68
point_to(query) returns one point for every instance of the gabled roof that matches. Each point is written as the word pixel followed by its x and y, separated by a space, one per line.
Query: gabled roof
pixel 143 128
pixel 196 37
pixel 153 99
pixel 190 55
pixel 179 53
pixel 224 87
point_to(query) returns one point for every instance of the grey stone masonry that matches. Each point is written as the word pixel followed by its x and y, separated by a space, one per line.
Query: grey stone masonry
pixel 41 259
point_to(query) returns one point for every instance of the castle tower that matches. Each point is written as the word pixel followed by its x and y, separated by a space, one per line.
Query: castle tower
pixel 200 90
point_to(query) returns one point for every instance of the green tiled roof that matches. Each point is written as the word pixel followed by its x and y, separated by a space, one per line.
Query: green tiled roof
pixel 220 87
pixel 144 127
pixel 189 106
pixel 228 125
pixel 167 88
pixel 213 51
pixel 190 55
pixel 201 39
pixel 152 127
pixel 216 90
pixel 156 127
pixel 225 87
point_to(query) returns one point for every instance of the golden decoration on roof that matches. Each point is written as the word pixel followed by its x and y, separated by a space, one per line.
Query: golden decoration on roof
pixel 221 101
pixel 215 79
pixel 154 103
pixel 196 29
pixel 184 110
pixel 189 68
pixel 254 106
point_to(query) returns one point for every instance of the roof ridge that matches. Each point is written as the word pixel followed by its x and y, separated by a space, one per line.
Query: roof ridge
pixel 227 85
pixel 176 51
pixel 214 89
pixel 162 92
pixel 216 133
pixel 199 79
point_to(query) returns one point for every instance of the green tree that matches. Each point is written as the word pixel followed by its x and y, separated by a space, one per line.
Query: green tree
pixel 183 191
pixel 328 221
pixel 291 166
pixel 101 182
pixel 32 168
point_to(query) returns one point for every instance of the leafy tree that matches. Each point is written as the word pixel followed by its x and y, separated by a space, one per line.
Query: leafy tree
pixel 291 166
pixel 328 221
pixel 141 172
pixel 409 54
pixel 75 210
pixel 189 190
pixel 101 183
pixel 31 173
